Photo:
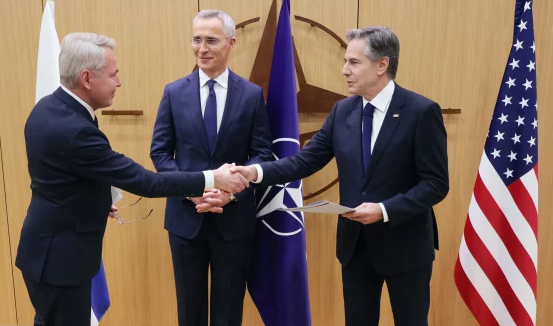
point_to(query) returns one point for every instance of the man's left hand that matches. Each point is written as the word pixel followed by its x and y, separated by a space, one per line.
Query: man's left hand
pixel 113 211
pixel 366 213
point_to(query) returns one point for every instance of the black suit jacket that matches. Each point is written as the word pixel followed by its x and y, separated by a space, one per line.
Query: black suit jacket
pixel 408 173
pixel 179 143
pixel 72 168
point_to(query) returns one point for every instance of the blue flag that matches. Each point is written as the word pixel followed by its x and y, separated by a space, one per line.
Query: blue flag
pixel 278 277
pixel 100 296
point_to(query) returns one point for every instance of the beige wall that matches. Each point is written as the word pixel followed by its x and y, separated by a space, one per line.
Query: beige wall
pixel 452 51
pixel 19 26
pixel 7 297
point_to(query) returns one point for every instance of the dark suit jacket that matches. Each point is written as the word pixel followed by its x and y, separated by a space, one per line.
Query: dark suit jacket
pixel 72 167
pixel 180 144
pixel 408 173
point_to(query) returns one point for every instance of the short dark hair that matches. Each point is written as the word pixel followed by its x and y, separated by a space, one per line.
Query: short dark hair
pixel 380 42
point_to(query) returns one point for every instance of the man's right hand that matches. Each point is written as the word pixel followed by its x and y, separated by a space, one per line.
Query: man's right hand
pixel 228 181
pixel 249 172
pixel 204 205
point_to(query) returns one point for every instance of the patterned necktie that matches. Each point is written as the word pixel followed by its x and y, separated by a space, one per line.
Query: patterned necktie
pixel 367 131
pixel 210 116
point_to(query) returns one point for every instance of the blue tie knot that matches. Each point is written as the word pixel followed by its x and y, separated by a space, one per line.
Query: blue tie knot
pixel 211 83
pixel 368 110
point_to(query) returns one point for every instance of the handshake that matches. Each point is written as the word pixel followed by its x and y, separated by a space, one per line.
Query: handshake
pixel 228 180
pixel 233 179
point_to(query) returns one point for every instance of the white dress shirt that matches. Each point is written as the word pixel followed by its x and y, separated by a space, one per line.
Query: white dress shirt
pixel 220 87
pixel 381 102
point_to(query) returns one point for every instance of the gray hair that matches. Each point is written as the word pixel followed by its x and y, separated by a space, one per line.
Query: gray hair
pixel 228 23
pixel 380 42
pixel 80 51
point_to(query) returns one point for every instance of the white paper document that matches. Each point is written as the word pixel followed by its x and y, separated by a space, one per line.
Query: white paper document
pixel 322 206
pixel 116 195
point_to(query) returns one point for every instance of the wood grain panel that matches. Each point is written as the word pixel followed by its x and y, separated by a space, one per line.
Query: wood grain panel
pixel 321 58
pixel 20 27
pixel 247 39
pixel 543 11
pixel 7 296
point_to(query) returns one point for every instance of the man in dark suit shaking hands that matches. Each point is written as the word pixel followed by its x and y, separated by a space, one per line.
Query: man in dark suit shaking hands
pixel 72 168
pixel 391 150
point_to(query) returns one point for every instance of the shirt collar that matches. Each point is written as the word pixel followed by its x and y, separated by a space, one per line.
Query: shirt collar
pixel 382 99
pixel 83 103
pixel 222 79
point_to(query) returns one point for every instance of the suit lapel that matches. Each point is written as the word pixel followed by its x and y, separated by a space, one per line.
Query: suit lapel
pixel 234 95
pixel 193 107
pixel 387 130
pixel 353 123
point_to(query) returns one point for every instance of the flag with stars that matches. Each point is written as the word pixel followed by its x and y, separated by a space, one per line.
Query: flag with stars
pixel 278 276
pixel 496 270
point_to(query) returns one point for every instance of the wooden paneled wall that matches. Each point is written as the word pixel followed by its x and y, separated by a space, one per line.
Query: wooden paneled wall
pixel 20 27
pixel 452 51
pixel 7 296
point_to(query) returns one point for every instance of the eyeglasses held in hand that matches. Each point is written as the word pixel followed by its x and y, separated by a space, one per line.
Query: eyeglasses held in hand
pixel 120 219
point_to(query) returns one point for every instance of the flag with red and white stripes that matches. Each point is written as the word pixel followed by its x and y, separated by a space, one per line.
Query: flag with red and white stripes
pixel 496 270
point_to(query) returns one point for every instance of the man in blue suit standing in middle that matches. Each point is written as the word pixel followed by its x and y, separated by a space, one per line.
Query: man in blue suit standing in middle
pixel 206 119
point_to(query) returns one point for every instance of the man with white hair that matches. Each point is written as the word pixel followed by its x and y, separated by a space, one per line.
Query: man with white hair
pixel 205 119
pixel 72 168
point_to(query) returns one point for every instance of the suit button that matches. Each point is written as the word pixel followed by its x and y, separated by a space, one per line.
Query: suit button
pixel 363 193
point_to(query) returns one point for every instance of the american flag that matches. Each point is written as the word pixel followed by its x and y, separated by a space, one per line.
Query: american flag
pixel 496 270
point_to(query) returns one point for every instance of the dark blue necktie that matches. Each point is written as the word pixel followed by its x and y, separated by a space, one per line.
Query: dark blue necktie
pixel 210 116
pixel 367 131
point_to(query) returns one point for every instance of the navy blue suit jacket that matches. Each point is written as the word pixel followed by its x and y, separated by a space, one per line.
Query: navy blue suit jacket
pixel 180 144
pixel 72 168
pixel 408 173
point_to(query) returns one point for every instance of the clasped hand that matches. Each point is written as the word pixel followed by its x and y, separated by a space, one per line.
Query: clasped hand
pixel 212 201
pixel 226 182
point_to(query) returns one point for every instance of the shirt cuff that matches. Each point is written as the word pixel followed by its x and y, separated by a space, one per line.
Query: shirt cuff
pixel 209 180
pixel 259 173
pixel 384 213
